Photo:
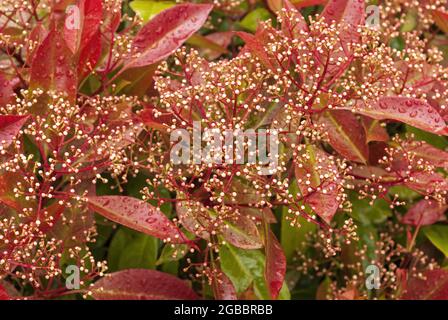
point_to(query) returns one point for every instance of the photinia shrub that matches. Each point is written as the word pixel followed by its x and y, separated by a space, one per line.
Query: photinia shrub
pixel 223 149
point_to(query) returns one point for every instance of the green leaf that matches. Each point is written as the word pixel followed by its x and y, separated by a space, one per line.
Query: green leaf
pixel 437 141
pixel 172 252
pixel 293 238
pixel 235 267
pixel 246 267
pixel 410 21
pixel 438 235
pixel 130 249
pixel 403 193
pixel 368 214
pixel 148 9
pixel 251 20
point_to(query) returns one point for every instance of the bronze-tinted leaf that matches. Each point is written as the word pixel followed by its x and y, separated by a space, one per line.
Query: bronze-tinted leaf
pixel 142 284
pixel 346 135
pixel 6 90
pixel 242 233
pixel 441 19
pixel 10 126
pixel 3 294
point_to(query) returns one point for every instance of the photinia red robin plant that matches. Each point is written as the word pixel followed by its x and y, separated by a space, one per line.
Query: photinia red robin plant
pixel 223 149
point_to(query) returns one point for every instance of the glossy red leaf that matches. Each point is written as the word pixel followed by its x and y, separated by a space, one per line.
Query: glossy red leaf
pixel 138 215
pixel 10 126
pixel 433 286
pixel 90 15
pixel 275 264
pixel 3 294
pixel 425 212
pixel 223 288
pixel 53 66
pixel 411 111
pixel 346 135
pixel 351 13
pixel 166 32
pixel 142 284
pixel 89 56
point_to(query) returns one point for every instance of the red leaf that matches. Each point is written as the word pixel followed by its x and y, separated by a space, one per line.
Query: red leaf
pixel 427 182
pixel 10 126
pixel 320 194
pixel 325 204
pixel 142 284
pixel 222 39
pixel 425 212
pixel 37 35
pixel 166 32
pixel 275 264
pixel 242 233
pixel 430 154
pixel 441 19
pixel 89 56
pixel 346 135
pixel 138 215
pixel 6 90
pixel 374 131
pixel 256 48
pixel 349 11
pixel 292 20
pixel 53 66
pixel 90 15
pixel 414 112
pixel 162 121
pixel 3 294
pixel 223 288
pixel 434 286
